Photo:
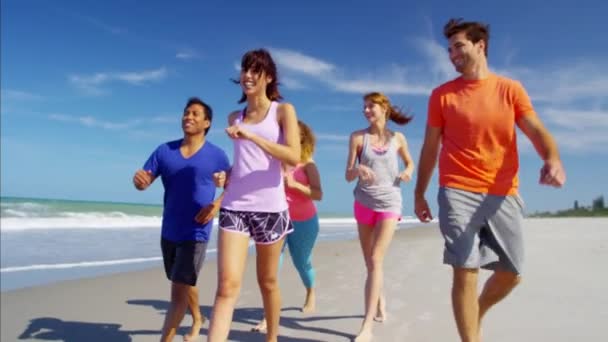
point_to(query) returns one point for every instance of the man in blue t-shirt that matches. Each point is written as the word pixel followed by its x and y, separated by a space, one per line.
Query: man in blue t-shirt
pixel 187 168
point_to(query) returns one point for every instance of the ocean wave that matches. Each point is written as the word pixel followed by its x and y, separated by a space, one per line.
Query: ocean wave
pixel 77 264
pixel 118 220
pixel 80 221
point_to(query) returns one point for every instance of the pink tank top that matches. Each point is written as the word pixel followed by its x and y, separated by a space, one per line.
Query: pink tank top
pixel 301 207
pixel 256 182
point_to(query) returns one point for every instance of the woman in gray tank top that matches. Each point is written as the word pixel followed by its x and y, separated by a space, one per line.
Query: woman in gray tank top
pixel 373 158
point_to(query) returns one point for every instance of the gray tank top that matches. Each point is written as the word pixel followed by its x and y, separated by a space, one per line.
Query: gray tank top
pixel 385 193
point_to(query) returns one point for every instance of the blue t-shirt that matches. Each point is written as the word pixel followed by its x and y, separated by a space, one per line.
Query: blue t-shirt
pixel 188 187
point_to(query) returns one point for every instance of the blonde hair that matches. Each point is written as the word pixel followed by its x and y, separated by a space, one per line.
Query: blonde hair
pixel 393 113
pixel 307 142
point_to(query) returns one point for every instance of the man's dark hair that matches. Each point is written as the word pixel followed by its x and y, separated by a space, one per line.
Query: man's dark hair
pixel 475 31
pixel 206 109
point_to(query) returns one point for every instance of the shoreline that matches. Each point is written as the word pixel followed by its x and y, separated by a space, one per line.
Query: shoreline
pixel 40 271
pixel 131 306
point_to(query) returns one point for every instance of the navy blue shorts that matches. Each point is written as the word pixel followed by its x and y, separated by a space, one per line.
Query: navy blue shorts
pixel 183 260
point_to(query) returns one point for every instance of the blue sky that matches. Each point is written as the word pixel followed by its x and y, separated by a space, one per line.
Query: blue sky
pixel 90 88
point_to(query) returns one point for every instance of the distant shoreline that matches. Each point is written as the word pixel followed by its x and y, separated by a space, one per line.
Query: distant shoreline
pixel 2 198
pixel 571 213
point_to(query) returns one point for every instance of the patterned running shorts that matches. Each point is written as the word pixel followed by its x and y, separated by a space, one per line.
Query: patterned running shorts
pixel 264 228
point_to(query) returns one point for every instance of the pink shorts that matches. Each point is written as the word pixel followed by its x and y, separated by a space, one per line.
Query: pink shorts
pixel 367 216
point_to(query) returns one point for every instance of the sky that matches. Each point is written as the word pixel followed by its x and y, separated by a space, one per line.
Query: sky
pixel 90 88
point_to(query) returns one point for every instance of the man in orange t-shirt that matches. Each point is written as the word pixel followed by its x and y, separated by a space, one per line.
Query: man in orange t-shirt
pixel 472 118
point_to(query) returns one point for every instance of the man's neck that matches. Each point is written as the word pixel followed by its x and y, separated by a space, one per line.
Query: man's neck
pixel 479 71
pixel 194 140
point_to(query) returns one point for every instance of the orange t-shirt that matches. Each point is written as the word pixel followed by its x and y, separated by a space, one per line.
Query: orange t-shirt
pixel 478 142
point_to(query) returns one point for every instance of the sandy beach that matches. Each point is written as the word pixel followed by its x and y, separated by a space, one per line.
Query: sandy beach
pixel 562 297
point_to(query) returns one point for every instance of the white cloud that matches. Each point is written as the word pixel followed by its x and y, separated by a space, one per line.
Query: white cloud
pixel 594 141
pixel 578 120
pixel 387 86
pixel 394 79
pixel 299 62
pixel 92 83
pixel 165 119
pixel 98 23
pixel 18 95
pixel 564 82
pixel 89 121
pixel 187 54
pixel 440 65
pixel 569 94
pixel 570 98
pixel 292 83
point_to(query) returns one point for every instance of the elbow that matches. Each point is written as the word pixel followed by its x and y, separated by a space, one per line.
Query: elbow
pixel 318 196
pixel 292 161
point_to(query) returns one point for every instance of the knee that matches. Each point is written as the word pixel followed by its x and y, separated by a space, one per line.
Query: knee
pixel 374 263
pixel 303 265
pixel 228 288
pixel 268 283
pixel 509 280
pixel 179 292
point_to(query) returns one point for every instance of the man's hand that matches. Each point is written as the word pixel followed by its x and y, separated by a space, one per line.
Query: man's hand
pixel 142 179
pixel 207 213
pixel 422 210
pixel 219 179
pixel 553 174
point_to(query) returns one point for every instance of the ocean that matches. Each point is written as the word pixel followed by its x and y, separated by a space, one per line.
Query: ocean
pixel 44 241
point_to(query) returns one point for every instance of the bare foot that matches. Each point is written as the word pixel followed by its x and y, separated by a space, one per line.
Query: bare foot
pixel 309 303
pixel 365 335
pixel 195 330
pixel 381 310
pixel 261 327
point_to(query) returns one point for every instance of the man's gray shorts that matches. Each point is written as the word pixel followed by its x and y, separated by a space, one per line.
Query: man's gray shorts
pixel 481 230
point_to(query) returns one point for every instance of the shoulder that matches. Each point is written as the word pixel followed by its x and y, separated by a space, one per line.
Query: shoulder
pixel 310 166
pixel 511 88
pixel 356 137
pixel 285 106
pixel 309 163
pixel 213 147
pixel 215 150
pixel 169 146
pixel 358 133
pixel 399 136
pixel 507 82
pixel 233 116
pixel 446 87
pixel 285 109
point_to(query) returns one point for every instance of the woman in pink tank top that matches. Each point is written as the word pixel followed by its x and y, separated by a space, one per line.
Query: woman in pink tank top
pixel 302 187
pixel 265 134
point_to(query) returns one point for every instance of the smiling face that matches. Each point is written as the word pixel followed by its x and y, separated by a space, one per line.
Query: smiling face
pixel 194 120
pixel 254 82
pixel 464 54
pixel 374 112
